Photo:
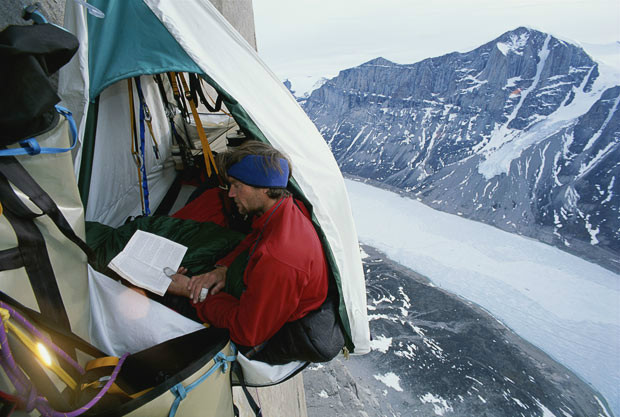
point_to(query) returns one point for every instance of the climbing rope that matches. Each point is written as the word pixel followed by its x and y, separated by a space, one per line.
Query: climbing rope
pixel 26 391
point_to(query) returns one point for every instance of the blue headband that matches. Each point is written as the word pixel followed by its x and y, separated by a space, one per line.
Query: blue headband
pixel 253 170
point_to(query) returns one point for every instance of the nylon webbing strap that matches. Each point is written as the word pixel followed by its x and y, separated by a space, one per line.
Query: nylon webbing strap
pixel 177 94
pixel 145 185
pixel 51 326
pixel 10 259
pixel 236 369
pixel 186 154
pixel 147 116
pixel 12 170
pixel 134 142
pixel 35 259
pixel 102 362
pixel 31 243
pixel 206 149
pixel 196 89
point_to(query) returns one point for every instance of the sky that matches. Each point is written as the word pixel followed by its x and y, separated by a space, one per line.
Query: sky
pixel 304 40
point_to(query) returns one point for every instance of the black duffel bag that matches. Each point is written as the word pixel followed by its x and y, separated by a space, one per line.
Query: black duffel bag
pixel 316 337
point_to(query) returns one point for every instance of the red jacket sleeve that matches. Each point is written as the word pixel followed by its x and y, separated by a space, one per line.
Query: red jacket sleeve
pixel 271 297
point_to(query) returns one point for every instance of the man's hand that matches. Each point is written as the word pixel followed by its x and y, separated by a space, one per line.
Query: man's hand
pixel 180 283
pixel 214 280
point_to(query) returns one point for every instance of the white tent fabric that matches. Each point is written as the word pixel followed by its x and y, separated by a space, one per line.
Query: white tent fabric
pixel 217 48
pixel 124 321
pixel 258 373
pixel 235 66
pixel 115 185
pixel 73 77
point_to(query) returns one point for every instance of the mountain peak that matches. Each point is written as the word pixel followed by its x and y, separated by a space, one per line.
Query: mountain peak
pixel 382 62
pixel 518 133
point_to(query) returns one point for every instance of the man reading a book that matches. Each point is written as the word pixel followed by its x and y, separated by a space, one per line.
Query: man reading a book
pixel 286 276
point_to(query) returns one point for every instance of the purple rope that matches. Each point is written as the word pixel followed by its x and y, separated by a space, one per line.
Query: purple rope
pixel 42 337
pixel 8 364
pixel 26 391
pixel 97 397
pixel 46 410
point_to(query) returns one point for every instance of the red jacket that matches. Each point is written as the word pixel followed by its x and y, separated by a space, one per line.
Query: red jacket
pixel 286 277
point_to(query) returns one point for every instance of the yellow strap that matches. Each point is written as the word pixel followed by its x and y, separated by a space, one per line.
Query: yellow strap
pixel 0 209
pixel 101 362
pixel 114 389
pixel 32 346
pixel 150 125
pixel 206 149
pixel 134 151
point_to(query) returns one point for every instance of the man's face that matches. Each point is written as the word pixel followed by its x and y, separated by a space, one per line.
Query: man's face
pixel 249 200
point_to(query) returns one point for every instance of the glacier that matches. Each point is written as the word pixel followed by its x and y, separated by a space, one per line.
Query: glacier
pixel 564 305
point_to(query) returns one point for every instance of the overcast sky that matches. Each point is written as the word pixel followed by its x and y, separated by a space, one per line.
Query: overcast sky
pixel 313 38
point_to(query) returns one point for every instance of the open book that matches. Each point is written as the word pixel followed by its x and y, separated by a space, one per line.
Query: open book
pixel 144 258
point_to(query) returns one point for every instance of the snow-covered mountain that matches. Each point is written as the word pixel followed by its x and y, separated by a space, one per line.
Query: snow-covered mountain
pixel 522 133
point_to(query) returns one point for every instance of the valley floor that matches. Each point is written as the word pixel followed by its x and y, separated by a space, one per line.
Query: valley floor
pixel 434 353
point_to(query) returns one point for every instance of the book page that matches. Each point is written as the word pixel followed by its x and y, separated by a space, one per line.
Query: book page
pixel 144 258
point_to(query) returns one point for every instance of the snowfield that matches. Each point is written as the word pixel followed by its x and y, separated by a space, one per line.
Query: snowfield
pixel 566 306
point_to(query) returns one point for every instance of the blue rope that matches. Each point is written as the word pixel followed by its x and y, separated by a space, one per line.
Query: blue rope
pixel 145 185
pixel 31 146
pixel 180 391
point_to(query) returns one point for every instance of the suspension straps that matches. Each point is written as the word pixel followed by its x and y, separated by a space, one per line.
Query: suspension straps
pixel 186 153
pixel 147 117
pixel 206 149
pixel 237 370
pixel 134 151
pixel 144 115
pixel 172 77
pixel 195 86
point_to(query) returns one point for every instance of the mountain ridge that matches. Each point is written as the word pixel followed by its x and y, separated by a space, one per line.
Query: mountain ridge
pixel 522 133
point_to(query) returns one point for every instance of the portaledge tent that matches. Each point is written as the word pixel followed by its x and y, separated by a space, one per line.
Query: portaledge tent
pixel 143 37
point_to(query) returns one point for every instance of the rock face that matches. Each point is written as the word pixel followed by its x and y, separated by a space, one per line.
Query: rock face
pixel 436 354
pixel 522 133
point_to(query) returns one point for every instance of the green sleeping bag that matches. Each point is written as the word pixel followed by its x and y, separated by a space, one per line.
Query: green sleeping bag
pixel 206 242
